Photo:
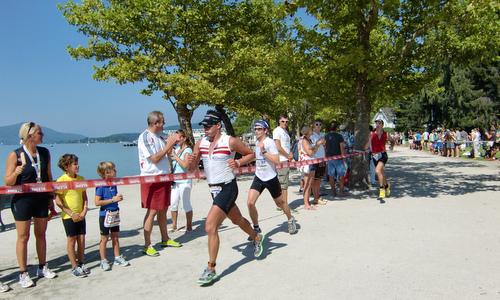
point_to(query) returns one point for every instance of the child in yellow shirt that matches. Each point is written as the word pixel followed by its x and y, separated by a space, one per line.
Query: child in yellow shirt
pixel 74 205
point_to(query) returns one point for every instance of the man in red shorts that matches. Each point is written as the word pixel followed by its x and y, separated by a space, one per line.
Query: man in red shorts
pixel 155 197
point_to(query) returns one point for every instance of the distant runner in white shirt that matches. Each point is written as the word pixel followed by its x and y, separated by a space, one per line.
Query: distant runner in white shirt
pixel 267 158
pixel 282 140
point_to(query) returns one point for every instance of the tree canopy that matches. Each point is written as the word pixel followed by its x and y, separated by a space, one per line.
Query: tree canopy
pixel 258 59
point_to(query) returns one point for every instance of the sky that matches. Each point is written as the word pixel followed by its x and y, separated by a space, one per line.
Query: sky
pixel 40 82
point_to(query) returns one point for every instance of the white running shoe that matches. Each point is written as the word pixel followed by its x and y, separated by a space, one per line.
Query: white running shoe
pixel 120 261
pixel 3 287
pixel 25 280
pixel 45 272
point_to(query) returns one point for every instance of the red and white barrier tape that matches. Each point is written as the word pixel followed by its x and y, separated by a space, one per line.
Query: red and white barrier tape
pixel 84 184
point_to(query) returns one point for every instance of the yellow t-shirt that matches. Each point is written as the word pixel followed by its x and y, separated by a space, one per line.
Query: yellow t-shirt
pixel 73 199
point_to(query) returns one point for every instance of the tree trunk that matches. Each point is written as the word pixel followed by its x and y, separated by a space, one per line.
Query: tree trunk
pixel 184 115
pixel 359 170
pixel 226 120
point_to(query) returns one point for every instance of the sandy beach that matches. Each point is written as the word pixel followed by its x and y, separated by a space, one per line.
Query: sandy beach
pixel 437 237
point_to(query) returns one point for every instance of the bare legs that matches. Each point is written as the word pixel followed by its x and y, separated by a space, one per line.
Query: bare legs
pixel 308 178
pixel 23 236
pixel 214 219
pixel 161 216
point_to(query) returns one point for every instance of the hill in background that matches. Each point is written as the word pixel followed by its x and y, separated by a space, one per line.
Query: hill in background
pixel 9 136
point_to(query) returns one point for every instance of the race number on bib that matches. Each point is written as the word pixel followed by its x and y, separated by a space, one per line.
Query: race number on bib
pixel 215 190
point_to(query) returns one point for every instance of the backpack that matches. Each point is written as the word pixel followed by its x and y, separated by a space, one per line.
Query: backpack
pixel 295 150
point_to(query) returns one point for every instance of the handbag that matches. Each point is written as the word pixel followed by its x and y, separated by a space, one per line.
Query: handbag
pixel 112 218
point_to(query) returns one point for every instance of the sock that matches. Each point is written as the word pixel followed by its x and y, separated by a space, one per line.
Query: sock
pixel 256 226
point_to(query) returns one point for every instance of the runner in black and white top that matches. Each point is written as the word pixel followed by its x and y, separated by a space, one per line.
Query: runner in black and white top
pixel 266 177
pixel 217 152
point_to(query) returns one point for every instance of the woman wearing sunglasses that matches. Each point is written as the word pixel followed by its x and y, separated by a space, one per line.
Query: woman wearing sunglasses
pixel 30 164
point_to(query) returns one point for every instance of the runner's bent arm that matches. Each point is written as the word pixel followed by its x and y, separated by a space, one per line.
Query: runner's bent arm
pixel 194 159
pixel 247 155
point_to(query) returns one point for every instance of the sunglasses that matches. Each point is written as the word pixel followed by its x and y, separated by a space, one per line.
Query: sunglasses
pixel 258 129
pixel 207 127
pixel 31 126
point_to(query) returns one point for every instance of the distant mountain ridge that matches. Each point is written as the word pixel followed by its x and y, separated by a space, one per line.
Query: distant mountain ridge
pixel 9 136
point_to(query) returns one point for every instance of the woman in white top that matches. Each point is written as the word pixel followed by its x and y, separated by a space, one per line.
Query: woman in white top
pixel 181 189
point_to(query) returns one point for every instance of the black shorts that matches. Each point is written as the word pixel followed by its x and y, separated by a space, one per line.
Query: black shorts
pixel 25 208
pixel 417 143
pixel 383 158
pixel 319 170
pixel 272 185
pixel 74 229
pixel 224 195
pixel 106 230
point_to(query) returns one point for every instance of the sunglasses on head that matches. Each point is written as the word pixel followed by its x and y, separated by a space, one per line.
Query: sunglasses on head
pixel 31 126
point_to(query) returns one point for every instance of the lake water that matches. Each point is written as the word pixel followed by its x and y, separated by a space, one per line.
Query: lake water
pixel 125 158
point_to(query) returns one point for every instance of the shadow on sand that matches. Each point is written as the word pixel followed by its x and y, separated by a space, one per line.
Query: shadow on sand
pixel 434 179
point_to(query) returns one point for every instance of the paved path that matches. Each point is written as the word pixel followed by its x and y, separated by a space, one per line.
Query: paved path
pixel 437 237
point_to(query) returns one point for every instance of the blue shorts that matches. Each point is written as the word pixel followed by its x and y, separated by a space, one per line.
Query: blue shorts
pixel 336 168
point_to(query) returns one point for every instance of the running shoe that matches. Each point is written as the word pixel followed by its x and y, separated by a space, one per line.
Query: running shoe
pixel 121 261
pixel 85 269
pixel 150 251
pixel 322 202
pixel 171 243
pixel 259 245
pixel 381 194
pixel 3 287
pixel 207 277
pixel 388 190
pixel 78 272
pixel 45 272
pixel 257 230
pixel 105 265
pixel 25 280
pixel 292 226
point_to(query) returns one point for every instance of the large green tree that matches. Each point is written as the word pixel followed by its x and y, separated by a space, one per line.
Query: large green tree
pixel 374 52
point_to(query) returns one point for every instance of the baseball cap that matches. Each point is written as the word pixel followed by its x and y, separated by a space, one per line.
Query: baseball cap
pixel 261 123
pixel 211 118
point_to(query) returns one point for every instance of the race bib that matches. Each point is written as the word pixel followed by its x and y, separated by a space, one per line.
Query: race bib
pixel 112 218
pixel 215 190
pixel 261 164
pixel 377 156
